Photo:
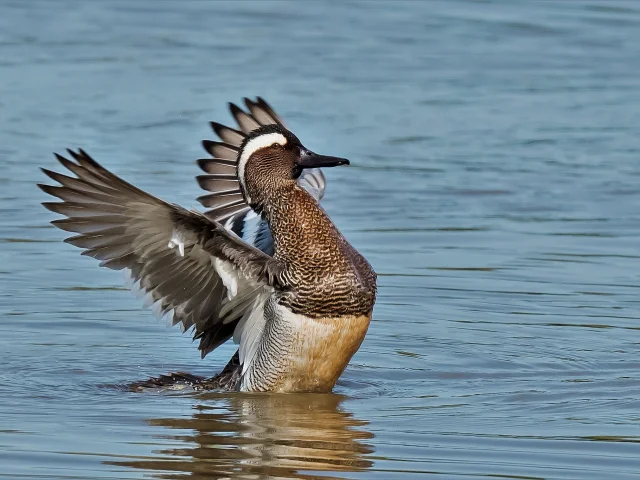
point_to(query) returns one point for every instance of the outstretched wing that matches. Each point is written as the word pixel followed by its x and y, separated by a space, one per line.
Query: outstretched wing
pixel 225 202
pixel 190 267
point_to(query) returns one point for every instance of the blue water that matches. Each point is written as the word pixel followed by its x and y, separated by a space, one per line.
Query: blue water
pixel 494 186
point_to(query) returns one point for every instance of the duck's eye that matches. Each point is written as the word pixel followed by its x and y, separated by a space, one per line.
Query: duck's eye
pixel 275 145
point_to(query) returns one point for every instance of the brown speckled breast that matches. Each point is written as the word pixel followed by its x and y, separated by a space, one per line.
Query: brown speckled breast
pixel 326 276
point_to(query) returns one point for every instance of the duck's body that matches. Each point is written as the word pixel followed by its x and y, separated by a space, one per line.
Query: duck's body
pixel 318 319
pixel 298 305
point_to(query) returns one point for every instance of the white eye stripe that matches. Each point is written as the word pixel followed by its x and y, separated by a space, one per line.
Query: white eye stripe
pixel 260 142
pixel 252 147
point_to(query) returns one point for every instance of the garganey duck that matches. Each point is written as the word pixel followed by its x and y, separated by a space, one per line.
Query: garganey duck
pixel 264 265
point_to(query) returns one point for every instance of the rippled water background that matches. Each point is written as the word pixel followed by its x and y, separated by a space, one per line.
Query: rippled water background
pixel 495 188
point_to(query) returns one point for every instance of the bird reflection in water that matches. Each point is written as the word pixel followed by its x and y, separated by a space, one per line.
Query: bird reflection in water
pixel 261 436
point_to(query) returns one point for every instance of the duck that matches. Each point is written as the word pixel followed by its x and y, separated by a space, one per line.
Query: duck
pixel 264 265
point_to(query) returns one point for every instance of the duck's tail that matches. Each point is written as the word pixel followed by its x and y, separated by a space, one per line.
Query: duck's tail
pixel 227 380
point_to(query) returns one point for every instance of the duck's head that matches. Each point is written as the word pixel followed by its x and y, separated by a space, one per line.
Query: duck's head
pixel 271 156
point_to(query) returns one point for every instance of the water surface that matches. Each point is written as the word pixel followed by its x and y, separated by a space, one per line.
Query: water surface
pixel 494 187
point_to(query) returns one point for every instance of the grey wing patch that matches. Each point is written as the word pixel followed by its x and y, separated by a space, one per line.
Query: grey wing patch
pixel 252 229
pixel 313 181
pixel 264 240
pixel 189 268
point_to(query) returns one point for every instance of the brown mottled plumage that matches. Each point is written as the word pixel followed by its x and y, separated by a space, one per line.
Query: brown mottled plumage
pixel 299 305
pixel 330 276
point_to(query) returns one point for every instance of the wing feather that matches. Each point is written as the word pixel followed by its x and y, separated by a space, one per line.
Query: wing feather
pixel 246 122
pixel 125 227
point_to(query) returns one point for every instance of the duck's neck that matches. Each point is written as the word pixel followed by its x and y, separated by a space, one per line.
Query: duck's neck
pixel 300 228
